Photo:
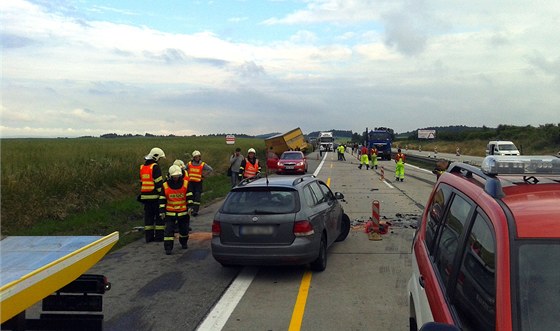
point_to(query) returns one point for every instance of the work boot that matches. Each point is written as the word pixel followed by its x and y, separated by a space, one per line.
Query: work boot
pixel 168 252
pixel 360 166
pixel 396 179
pixel 402 179
pixel 367 167
pixel 184 246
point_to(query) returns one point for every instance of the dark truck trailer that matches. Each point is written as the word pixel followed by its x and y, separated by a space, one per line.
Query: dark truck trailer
pixel 381 139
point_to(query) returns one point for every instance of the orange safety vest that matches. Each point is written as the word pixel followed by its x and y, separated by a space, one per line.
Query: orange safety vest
pixel 195 172
pixel 176 199
pixel 399 157
pixel 373 151
pixel 147 178
pixel 250 169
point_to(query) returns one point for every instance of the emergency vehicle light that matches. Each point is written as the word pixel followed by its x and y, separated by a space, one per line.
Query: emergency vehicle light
pixel 521 165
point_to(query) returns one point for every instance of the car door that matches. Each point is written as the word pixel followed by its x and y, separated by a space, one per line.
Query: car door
pixel 335 210
pixel 327 208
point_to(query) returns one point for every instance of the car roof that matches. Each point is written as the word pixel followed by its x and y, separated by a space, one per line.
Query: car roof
pixel 276 181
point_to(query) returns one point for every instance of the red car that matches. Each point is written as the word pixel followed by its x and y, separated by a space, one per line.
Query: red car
pixel 292 162
pixel 487 252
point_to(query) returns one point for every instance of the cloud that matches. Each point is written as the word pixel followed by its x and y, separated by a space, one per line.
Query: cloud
pixel 325 64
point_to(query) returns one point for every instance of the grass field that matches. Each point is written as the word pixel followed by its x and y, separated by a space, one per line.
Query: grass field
pixel 88 186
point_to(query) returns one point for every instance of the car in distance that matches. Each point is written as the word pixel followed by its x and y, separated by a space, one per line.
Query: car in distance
pixel 292 162
pixel 280 220
pixel 486 255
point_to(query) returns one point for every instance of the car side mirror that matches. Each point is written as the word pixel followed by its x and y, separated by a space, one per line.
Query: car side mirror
pixel 433 326
pixel 339 196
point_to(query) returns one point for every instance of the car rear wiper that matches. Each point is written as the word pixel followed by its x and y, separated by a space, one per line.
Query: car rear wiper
pixel 262 212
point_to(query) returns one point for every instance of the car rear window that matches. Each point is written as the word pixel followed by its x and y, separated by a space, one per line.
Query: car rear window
pixel 261 201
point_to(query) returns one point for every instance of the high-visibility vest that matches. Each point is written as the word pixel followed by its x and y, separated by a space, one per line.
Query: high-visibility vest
pixel 195 171
pixel 147 178
pixel 176 199
pixel 399 157
pixel 250 169
pixel 374 151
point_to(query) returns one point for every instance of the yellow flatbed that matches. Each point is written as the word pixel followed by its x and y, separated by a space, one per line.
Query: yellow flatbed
pixel 34 267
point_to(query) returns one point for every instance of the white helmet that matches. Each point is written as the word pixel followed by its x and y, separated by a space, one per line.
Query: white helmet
pixel 251 150
pixel 179 163
pixel 155 154
pixel 175 170
pixel 195 153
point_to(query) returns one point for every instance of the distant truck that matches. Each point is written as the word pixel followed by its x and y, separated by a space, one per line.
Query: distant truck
pixel 501 147
pixel 326 139
pixel 278 144
pixel 381 138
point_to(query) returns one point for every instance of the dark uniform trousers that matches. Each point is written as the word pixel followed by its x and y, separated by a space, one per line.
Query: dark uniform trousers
pixel 183 223
pixel 153 224
pixel 196 189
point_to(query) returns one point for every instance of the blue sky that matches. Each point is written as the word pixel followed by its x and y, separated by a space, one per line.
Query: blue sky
pixel 74 68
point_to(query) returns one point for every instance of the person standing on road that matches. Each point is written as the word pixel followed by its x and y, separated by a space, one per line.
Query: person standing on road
pixel 341 149
pixel 234 164
pixel 364 159
pixel 197 170
pixel 173 207
pixel 250 166
pixel 373 157
pixel 321 150
pixel 399 160
pixel 151 185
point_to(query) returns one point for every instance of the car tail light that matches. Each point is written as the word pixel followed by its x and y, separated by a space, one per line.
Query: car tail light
pixel 216 228
pixel 303 228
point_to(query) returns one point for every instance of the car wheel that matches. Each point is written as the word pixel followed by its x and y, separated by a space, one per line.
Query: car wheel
pixel 344 228
pixel 321 262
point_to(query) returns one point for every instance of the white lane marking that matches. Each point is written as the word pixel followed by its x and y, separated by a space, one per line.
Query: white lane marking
pixel 221 312
pixel 387 183
pixel 415 167
pixel 320 165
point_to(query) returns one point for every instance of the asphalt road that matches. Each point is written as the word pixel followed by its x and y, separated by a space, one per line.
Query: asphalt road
pixel 363 287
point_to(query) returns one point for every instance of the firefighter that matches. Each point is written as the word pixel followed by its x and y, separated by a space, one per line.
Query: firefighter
pixel 250 166
pixel 197 170
pixel 173 206
pixel 373 157
pixel 364 159
pixel 399 160
pixel 441 166
pixel 151 184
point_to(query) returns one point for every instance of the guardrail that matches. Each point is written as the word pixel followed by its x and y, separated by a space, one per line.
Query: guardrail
pixel 430 162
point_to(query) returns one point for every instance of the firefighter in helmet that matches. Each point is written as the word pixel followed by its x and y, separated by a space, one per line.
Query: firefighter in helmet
pixel 174 203
pixel 151 185
pixel 250 166
pixel 197 170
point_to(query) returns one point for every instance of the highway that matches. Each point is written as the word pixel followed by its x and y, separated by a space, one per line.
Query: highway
pixel 363 286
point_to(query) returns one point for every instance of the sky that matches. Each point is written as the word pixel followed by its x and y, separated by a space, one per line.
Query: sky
pixel 195 67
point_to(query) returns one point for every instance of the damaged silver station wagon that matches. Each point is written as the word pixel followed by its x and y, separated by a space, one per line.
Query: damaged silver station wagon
pixel 288 220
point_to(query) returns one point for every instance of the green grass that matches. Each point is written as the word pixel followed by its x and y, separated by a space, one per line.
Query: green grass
pixel 88 186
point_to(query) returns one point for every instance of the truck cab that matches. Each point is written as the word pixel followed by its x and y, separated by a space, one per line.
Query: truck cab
pixel 501 147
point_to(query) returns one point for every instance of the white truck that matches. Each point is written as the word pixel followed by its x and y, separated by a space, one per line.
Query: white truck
pixel 501 147
pixel 326 140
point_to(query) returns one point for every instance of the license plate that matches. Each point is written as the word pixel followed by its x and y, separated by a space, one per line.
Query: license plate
pixel 252 230
pixel 289 167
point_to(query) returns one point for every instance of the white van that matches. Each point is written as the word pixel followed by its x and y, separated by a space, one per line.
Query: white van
pixel 501 147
